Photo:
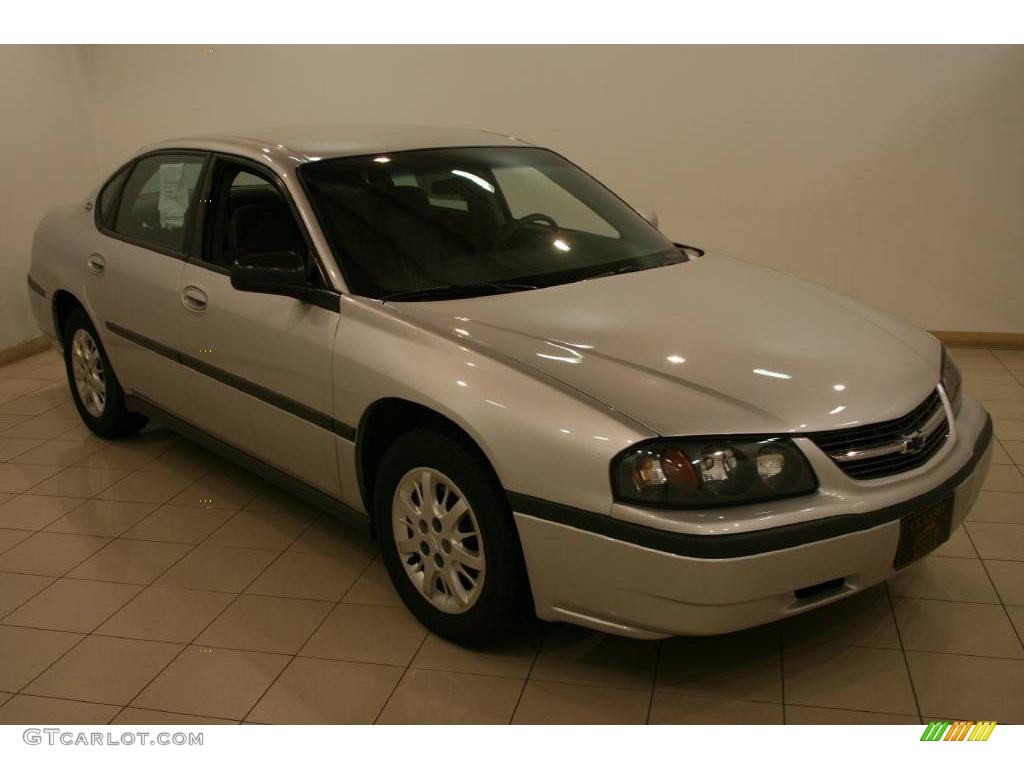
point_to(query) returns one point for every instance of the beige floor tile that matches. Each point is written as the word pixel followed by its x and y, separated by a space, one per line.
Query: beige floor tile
pixel 10 539
pixel 1006 393
pixel 1014 450
pixel 268 624
pixel 997 541
pixel 508 659
pixel 64 410
pixel 101 518
pixel 1017 617
pixel 136 716
pixel 847 677
pixel 222 569
pixel 185 525
pixel 304 575
pixel 221 490
pixel 105 670
pixel 279 500
pixel 7 421
pixel 124 455
pixel 166 613
pixel 260 530
pixel 988 375
pixel 743 665
pixel 4 696
pixel 968 687
pixel 448 698
pixel 544 703
pixel 369 633
pixel 797 715
pixel 85 482
pixel 24 653
pixel 32 405
pixel 1008 577
pixel 675 709
pixel 17 478
pixel 373 587
pixel 60 453
pixel 149 486
pixel 12 447
pixel 35 512
pixel 187 459
pixel 36 710
pixel 16 386
pixel 131 562
pixel 959 545
pixel 17 588
pixel 1003 410
pixel 315 691
pixel 575 655
pixel 995 507
pixel 1011 358
pixel 1004 477
pixel 330 537
pixel 999 454
pixel 50 554
pixel 968 628
pixel 944 578
pixel 42 427
pixel 212 682
pixel 1009 429
pixel 73 605
pixel 863 619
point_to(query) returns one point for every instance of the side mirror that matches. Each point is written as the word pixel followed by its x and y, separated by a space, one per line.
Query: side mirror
pixel 651 215
pixel 278 272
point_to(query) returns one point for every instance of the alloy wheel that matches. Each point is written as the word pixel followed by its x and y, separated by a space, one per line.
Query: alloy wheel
pixel 87 369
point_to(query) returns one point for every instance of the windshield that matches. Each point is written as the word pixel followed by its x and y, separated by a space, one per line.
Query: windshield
pixel 468 221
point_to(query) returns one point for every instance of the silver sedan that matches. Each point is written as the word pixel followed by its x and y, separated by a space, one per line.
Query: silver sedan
pixel 536 402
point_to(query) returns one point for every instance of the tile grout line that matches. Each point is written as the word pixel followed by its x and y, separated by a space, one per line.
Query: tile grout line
pixel 316 629
pixel 654 680
pixel 903 651
pixel 398 683
pixel 999 596
pixel 542 636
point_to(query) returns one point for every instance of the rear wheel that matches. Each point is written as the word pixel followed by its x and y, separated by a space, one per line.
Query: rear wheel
pixel 94 387
pixel 448 539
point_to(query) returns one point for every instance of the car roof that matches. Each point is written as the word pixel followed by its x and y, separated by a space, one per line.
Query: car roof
pixel 295 145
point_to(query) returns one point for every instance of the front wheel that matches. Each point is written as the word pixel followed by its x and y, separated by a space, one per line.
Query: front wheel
pixel 94 387
pixel 448 539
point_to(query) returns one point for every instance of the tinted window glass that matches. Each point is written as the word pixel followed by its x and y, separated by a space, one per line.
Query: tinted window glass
pixel 159 199
pixel 251 216
pixel 429 219
pixel 108 196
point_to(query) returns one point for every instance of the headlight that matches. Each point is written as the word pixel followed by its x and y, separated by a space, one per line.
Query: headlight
pixel 951 381
pixel 692 473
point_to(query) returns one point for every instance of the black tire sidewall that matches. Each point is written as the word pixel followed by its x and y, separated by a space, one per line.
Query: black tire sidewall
pixel 504 604
pixel 115 420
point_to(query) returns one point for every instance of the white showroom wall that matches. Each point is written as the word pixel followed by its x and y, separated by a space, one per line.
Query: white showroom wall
pixel 47 156
pixel 893 174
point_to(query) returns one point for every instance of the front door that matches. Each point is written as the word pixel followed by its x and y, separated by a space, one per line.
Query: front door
pixel 258 365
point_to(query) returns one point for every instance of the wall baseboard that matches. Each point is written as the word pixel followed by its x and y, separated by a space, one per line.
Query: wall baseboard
pixel 981 339
pixel 26 348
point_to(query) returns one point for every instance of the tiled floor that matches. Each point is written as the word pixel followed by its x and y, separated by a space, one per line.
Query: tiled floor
pixel 127 598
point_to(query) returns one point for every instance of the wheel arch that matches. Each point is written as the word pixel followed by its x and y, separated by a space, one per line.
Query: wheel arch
pixel 387 419
pixel 64 303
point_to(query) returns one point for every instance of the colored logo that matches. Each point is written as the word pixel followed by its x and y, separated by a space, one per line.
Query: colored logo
pixel 959 730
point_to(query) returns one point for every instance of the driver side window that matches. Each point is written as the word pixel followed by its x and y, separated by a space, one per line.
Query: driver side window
pixel 251 216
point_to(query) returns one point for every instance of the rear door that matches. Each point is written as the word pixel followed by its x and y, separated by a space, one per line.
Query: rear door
pixel 260 365
pixel 133 273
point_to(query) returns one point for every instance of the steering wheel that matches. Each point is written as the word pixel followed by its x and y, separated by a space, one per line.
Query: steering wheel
pixel 517 224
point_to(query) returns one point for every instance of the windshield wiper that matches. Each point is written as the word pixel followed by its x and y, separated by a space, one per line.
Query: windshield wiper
pixel 465 290
pixel 640 267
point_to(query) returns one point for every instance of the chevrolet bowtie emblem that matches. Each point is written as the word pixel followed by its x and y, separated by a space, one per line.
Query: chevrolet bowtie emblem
pixel 912 442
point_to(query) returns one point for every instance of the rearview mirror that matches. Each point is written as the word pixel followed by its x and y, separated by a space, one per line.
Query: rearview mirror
pixel 278 272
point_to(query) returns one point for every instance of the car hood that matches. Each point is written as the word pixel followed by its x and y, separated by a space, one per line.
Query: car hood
pixel 711 346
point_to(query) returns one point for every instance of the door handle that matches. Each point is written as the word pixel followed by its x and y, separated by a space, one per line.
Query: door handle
pixel 96 263
pixel 194 298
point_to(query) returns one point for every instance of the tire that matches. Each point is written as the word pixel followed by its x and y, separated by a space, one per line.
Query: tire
pixel 105 414
pixel 499 605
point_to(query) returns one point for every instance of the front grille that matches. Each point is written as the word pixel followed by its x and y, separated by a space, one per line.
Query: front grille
pixel 884 445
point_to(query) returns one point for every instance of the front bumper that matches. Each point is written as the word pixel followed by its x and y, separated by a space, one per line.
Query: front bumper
pixel 621 577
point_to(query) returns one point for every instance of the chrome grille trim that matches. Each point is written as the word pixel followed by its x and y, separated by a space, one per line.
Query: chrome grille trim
pixel 890 447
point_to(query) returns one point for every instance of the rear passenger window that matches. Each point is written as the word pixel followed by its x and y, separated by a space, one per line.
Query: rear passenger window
pixel 159 200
